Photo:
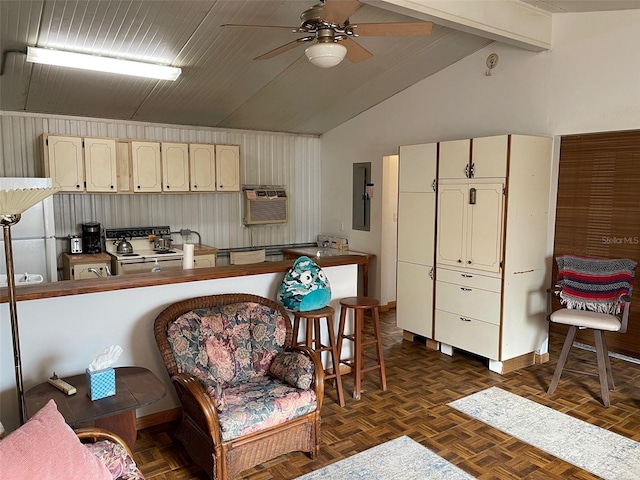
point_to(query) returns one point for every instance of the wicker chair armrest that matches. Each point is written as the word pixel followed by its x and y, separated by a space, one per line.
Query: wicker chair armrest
pixel 318 377
pixel 96 434
pixel 198 405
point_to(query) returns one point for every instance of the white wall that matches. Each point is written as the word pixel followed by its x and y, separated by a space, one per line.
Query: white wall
pixel 65 333
pixel 588 82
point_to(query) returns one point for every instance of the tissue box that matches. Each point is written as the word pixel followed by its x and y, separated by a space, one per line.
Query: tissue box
pixel 101 383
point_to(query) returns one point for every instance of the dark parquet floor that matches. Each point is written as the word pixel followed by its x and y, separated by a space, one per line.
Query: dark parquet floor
pixel 421 382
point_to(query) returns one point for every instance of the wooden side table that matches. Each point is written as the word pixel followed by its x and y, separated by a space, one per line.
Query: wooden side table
pixel 135 387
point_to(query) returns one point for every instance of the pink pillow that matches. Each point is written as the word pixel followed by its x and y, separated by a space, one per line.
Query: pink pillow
pixel 46 448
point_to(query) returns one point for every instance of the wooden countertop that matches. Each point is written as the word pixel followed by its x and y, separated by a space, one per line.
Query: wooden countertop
pixel 321 252
pixel 78 287
pixel 76 258
pixel 201 249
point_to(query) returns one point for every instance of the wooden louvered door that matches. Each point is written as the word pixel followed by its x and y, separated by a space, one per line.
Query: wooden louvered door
pixel 598 211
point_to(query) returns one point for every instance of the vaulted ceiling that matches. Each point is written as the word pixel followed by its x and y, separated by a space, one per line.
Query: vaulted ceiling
pixel 221 85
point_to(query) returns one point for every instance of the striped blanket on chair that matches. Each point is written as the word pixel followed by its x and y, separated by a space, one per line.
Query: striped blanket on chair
pixel 594 284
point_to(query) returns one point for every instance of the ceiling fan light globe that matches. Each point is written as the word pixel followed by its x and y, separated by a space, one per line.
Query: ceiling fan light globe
pixel 326 55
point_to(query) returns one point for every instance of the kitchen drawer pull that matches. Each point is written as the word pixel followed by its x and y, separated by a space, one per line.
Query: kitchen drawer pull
pixel 465 289
pixel 465 319
pixel 466 275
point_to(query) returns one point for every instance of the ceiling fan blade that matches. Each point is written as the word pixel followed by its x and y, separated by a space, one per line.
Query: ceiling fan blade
pixel 338 11
pixel 392 29
pixel 291 29
pixel 356 52
pixel 283 48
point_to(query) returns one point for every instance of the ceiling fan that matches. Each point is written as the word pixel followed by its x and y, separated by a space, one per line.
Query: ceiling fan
pixel 328 27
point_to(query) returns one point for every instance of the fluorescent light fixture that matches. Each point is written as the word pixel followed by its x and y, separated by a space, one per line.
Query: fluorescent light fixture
pixel 325 55
pixel 101 64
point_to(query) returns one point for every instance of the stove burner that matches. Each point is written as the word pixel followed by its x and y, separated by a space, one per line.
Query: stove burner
pixel 161 252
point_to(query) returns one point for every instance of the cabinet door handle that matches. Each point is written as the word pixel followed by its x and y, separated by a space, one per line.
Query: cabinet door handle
pixel 465 289
pixel 459 261
pixel 466 275
pixel 465 319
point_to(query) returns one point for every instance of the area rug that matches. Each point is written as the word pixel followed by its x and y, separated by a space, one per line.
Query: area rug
pixel 401 458
pixel 594 449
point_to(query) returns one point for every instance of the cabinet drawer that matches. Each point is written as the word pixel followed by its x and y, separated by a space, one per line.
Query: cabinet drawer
pixel 467 279
pixel 468 302
pixel 468 334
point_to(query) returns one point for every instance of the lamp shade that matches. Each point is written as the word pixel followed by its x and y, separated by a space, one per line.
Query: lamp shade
pixel 15 202
pixel 326 55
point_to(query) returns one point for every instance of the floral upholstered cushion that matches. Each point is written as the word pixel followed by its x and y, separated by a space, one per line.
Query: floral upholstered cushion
pixel 295 368
pixel 115 457
pixel 227 345
pixel 266 402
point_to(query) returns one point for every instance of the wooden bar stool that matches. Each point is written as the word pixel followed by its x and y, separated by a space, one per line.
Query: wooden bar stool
pixel 314 341
pixel 360 305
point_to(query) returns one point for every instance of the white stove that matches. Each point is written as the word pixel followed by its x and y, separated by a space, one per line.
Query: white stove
pixel 143 259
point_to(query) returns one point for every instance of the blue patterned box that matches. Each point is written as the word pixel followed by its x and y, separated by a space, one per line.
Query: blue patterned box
pixel 101 383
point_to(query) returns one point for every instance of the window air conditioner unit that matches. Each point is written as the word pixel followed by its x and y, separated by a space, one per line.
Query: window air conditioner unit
pixel 264 205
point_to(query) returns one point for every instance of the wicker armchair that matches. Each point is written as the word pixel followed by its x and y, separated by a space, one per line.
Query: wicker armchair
pixel 112 451
pixel 247 394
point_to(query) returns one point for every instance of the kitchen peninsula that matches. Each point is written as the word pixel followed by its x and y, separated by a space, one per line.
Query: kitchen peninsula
pixel 63 325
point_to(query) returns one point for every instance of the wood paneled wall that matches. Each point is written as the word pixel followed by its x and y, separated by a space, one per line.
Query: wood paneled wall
pixel 598 210
pixel 266 158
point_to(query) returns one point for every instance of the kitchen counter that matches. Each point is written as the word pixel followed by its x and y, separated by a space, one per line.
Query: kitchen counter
pixel 94 285
pixel 320 254
pixel 200 249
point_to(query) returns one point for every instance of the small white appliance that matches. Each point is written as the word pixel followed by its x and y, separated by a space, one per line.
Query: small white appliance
pixel 33 237
pixel 142 257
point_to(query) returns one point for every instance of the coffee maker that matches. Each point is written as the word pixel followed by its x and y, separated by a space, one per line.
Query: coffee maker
pixel 92 238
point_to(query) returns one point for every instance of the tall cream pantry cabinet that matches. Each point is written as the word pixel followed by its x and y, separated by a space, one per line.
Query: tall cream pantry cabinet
pixel 491 264
pixel 416 238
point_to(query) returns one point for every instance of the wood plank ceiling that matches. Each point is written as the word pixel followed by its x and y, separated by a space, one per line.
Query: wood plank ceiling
pixel 221 85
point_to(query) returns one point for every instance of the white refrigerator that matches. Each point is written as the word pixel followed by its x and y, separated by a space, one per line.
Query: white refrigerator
pixel 33 237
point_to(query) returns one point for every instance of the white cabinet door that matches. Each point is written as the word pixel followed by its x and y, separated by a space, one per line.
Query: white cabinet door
pixel 484 227
pixel 204 261
pixel 470 219
pixel 175 167
pixel 452 224
pixel 202 164
pixel 489 157
pixel 145 162
pixel 414 298
pixel 65 162
pixel 228 168
pixel 100 162
pixel 453 158
pixel 416 221
pixel 417 171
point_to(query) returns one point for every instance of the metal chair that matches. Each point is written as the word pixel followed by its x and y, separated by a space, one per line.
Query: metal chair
pixel 595 291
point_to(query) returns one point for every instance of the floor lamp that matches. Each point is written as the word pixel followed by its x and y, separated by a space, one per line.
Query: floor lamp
pixel 12 204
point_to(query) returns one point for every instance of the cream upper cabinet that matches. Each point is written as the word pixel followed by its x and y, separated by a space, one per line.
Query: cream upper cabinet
pixel 100 160
pixel 145 163
pixel 418 168
pixel 202 165
pixel 175 167
pixel 228 168
pixel 64 162
pixel 454 158
pixel 484 157
pixel 489 157
pixel 470 218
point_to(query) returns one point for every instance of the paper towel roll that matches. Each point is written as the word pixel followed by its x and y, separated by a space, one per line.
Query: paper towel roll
pixel 187 259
